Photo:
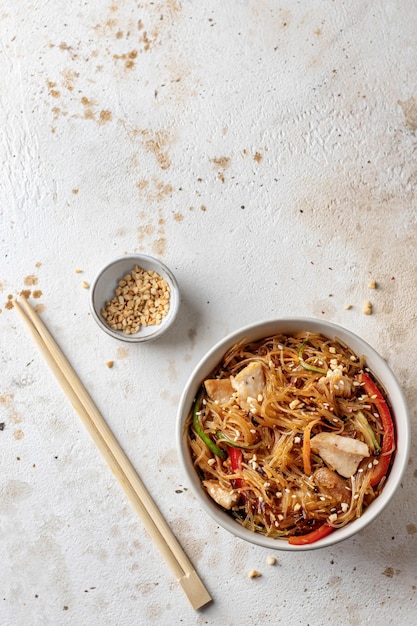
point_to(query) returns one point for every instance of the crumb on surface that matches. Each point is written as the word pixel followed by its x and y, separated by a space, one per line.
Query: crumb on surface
pixel 109 363
pixel 367 308
pixel 254 574
pixel 347 307
pixel 372 284
pixel 85 285
pixel 271 560
pixel 78 271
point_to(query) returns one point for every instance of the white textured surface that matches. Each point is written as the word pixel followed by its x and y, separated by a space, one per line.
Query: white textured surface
pixel 266 152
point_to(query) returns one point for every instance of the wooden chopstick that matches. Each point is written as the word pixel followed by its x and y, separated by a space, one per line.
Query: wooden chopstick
pixel 116 458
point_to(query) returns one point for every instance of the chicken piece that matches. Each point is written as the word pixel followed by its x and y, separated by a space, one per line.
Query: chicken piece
pixel 223 496
pixel 342 454
pixel 248 384
pixel 340 385
pixel 219 390
pixel 332 484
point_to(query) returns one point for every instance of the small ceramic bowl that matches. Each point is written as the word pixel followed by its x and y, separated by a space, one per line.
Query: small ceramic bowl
pixel 382 373
pixel 106 282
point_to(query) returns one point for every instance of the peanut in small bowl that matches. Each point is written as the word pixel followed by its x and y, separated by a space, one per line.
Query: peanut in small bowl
pixel 134 298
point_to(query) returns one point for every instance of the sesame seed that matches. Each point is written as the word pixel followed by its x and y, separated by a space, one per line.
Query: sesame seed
pixel 344 506
pixel 254 574
pixel 211 461
pixel 270 560
pixel 369 465
pixel 332 518
pixel 278 494
pixel 297 506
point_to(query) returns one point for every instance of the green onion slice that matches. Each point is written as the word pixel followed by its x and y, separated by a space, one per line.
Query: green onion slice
pixel 307 366
pixel 200 432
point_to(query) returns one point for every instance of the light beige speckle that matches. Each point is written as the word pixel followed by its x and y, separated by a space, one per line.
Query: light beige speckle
pixel 254 574
pixel 85 285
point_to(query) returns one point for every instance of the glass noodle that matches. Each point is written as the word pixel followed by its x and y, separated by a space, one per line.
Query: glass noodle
pixel 252 435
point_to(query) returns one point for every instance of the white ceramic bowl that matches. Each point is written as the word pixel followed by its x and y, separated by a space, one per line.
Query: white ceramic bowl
pixel 380 370
pixel 106 281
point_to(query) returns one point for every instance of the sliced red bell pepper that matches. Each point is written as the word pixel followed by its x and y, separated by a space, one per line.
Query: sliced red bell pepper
pixel 236 462
pixel 315 535
pixel 388 438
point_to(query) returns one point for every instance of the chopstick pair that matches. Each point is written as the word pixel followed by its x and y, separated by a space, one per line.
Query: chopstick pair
pixel 103 437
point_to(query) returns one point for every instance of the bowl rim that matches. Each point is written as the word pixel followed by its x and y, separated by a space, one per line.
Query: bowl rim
pixel 174 298
pixel 255 330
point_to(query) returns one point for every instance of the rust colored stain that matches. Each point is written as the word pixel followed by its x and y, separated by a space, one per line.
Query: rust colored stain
pixel 157 143
pixel 6 399
pixel 31 280
pixel 128 58
pixel 75 191
pixel 257 157
pixel 69 78
pixel 87 102
pixel 37 294
pixel 105 116
pixel 18 434
pixel 39 308
pixel 15 417
pixel 122 353
pixel 178 217
pixel 221 162
pixel 55 93
pixel 409 108
pixel 154 192
pixel 159 246
pixel 26 293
